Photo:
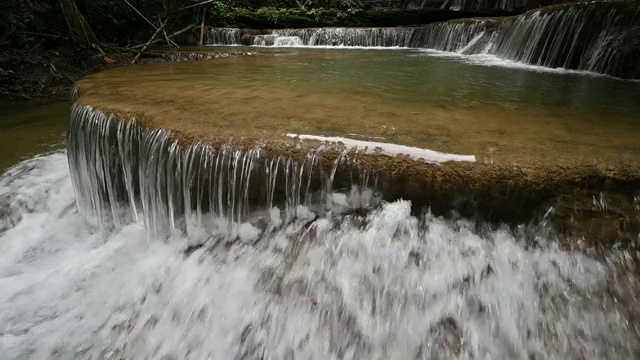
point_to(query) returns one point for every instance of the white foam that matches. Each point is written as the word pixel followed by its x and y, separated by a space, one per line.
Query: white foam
pixel 287 41
pixel 494 61
pixel 389 149
pixel 390 286
pixel 471 59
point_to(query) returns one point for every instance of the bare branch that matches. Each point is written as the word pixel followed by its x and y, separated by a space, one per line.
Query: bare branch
pixel 145 18
pixel 182 31
pixel 37 34
pixel 198 4
pixel 135 60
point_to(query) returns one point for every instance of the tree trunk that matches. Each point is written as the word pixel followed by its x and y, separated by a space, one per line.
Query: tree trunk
pixel 81 33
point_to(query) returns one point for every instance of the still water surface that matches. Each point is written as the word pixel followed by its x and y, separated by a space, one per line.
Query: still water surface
pixel 414 98
pixel 28 129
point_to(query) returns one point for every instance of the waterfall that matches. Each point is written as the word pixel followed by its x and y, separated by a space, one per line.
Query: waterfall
pixel 357 37
pixel 306 283
pixel 600 37
pixel 594 37
pixel 171 185
pixel 122 170
pixel 448 36
pixel 371 37
pixel 384 285
pixel 224 36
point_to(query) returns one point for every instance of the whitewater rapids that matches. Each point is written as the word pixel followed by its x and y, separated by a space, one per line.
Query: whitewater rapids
pixel 380 285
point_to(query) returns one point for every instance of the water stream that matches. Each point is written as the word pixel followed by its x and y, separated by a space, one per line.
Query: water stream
pixel 378 285
pixel 28 129
pixel 599 37
pixel 130 245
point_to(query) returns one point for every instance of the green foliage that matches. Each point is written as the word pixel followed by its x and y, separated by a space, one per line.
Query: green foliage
pixel 13 85
pixel 273 14
pixel 28 23
pixel 345 4
pixel 315 13
pixel 278 7
pixel 222 12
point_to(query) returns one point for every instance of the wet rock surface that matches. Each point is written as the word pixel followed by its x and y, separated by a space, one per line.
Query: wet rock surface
pixel 518 174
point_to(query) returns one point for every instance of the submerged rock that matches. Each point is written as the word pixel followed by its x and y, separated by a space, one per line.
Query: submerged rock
pixel 443 342
pixel 8 216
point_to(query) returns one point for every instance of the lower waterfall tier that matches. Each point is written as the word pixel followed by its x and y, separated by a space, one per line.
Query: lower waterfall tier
pixel 384 284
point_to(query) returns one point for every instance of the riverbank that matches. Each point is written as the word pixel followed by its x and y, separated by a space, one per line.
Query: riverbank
pixel 50 75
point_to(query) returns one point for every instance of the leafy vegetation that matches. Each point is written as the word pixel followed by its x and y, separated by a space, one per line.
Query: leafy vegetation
pixel 224 13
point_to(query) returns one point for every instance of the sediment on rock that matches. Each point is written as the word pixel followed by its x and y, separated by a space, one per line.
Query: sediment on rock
pixel 178 56
pixel 174 181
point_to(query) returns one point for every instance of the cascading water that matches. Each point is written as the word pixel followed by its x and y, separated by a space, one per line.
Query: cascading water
pixel 449 36
pixel 349 37
pixel 230 252
pixel 354 37
pixel 162 181
pixel 595 38
pixel 224 36
pixel 599 37
pixel 372 37
pixel 374 285
pixel 223 252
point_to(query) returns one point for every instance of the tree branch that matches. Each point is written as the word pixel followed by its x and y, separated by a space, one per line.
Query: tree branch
pixel 37 34
pixel 147 20
pixel 135 60
pixel 182 31
pixel 198 4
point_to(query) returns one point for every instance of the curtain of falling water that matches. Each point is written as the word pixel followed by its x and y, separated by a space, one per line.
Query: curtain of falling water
pixel 597 36
pixel 172 186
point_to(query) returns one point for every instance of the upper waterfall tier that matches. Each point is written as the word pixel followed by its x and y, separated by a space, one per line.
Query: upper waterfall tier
pixel 292 127
pixel 601 37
